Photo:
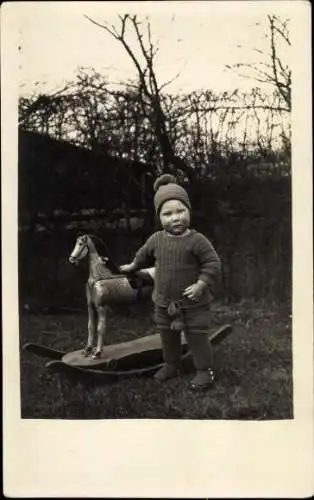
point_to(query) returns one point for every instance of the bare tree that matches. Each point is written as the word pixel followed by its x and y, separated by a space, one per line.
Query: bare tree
pixel 274 71
pixel 149 89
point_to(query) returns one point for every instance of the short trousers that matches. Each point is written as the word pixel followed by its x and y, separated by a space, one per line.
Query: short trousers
pixel 196 319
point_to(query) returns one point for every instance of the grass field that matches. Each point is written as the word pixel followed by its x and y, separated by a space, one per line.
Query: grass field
pixel 254 370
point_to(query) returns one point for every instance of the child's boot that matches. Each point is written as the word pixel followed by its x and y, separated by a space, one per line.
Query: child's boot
pixel 166 372
pixel 203 379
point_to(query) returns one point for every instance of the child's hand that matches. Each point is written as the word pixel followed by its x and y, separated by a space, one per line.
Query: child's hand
pixel 127 268
pixel 193 292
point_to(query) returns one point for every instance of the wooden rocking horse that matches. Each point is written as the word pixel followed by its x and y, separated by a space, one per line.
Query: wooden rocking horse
pixel 105 286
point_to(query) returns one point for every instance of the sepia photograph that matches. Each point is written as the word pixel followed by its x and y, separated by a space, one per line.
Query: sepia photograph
pixel 155 230
pixel 98 130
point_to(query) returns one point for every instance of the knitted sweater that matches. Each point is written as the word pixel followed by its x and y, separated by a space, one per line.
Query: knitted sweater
pixel 179 262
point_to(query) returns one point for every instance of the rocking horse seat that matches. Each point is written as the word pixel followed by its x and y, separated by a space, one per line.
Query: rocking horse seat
pixel 122 288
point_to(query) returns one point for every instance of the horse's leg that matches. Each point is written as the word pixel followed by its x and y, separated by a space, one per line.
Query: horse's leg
pixel 101 330
pixel 91 323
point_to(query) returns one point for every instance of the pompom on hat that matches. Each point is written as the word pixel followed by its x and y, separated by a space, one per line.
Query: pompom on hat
pixel 166 188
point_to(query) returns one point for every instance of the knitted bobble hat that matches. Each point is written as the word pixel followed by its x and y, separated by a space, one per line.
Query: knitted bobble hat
pixel 166 188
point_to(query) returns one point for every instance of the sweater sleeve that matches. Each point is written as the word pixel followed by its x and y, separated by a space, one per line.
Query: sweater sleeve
pixel 210 264
pixel 144 257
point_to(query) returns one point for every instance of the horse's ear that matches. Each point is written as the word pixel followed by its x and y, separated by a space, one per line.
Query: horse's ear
pixel 84 238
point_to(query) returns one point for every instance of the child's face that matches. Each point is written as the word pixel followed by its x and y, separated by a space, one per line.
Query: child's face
pixel 174 217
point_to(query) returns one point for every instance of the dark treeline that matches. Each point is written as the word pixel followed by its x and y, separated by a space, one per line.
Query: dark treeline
pixel 213 135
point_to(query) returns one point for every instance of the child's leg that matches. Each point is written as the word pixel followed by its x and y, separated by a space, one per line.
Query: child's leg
pixel 203 360
pixel 201 350
pixel 171 345
pixel 197 323
pixel 171 350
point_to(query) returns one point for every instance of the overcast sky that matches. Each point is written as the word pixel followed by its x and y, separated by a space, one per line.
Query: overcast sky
pixel 196 40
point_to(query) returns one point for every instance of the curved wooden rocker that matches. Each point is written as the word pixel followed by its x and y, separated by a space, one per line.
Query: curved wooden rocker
pixel 138 357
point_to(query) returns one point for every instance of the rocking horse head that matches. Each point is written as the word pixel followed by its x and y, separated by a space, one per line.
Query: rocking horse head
pixel 92 245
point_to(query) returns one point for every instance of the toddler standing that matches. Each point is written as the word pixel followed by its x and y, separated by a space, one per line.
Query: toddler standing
pixel 186 268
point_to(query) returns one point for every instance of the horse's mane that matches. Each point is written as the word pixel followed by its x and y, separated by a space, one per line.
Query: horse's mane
pixel 103 250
